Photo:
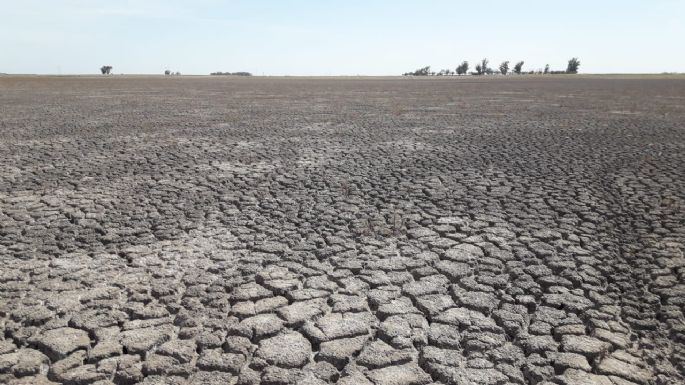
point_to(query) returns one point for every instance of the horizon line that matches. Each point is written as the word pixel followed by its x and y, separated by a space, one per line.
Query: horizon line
pixel 344 75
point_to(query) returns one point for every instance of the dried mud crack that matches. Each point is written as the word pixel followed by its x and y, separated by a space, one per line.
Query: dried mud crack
pixel 378 231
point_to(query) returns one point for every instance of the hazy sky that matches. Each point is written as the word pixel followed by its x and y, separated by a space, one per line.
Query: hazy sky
pixel 329 37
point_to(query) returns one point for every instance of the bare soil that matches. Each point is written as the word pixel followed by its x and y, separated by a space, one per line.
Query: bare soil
pixel 197 230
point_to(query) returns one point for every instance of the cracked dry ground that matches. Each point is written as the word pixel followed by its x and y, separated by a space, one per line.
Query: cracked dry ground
pixel 387 232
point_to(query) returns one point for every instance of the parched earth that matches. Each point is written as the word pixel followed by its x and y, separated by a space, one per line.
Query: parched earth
pixel 352 231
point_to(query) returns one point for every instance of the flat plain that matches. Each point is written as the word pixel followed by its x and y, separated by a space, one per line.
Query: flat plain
pixel 380 231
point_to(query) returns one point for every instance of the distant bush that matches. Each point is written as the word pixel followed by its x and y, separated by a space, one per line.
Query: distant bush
pixel 425 71
pixel 573 65
pixel 231 74
pixel 106 70
pixel 167 72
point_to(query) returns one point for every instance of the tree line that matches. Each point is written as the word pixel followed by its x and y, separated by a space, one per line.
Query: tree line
pixel 482 68
pixel 106 70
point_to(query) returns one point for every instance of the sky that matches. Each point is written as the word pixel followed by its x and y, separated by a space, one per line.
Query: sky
pixel 331 37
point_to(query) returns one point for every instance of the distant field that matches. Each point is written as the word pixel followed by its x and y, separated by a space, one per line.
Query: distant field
pixel 350 230
pixel 674 76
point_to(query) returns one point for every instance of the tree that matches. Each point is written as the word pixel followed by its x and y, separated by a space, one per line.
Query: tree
pixel 167 72
pixel 518 67
pixel 573 65
pixel 504 67
pixel 425 71
pixel 482 67
pixel 463 68
pixel 546 69
pixel 106 70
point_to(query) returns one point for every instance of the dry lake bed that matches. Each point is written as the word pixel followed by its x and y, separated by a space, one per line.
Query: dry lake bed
pixel 361 231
